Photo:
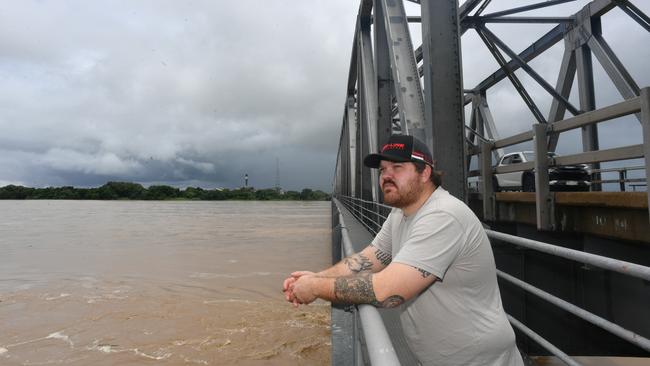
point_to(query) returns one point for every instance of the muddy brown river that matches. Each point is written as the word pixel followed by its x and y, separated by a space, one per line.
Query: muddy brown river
pixel 164 283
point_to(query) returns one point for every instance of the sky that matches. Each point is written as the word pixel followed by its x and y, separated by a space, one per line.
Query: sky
pixel 200 93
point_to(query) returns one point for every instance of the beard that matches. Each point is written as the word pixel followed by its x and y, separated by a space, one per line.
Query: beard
pixel 404 195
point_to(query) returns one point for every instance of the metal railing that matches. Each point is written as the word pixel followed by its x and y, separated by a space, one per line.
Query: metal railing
pixel 380 348
pixel 540 135
pixel 627 268
pixel 622 177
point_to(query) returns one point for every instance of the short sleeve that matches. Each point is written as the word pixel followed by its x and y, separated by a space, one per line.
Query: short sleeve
pixel 384 238
pixel 433 244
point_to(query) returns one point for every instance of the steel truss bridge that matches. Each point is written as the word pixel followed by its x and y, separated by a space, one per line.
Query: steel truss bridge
pixel 573 267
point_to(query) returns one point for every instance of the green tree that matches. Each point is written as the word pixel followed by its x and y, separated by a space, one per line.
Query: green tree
pixel 162 192
pixel 292 195
pixel 214 195
pixel 242 194
pixel 267 194
pixel 193 193
pixel 307 194
pixel 13 192
pixel 126 190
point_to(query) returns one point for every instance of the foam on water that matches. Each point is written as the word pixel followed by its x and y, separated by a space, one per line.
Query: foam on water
pixel 191 360
pixel 96 298
pixel 61 336
pixel 162 356
pixel 158 355
pixel 57 297
pixel 3 350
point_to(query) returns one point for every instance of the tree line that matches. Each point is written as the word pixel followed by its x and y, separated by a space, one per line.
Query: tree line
pixel 135 191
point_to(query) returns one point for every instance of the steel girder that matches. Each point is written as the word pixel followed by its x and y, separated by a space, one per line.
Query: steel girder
pixel 406 79
pixel 367 110
pixel 445 127
pixel 563 86
pixel 396 91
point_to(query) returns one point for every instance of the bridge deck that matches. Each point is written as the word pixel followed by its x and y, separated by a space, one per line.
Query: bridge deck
pixel 617 215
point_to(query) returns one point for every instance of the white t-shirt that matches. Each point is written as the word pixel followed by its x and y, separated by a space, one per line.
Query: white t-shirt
pixel 459 320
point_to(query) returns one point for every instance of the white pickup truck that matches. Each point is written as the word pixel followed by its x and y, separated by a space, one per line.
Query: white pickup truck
pixel 561 178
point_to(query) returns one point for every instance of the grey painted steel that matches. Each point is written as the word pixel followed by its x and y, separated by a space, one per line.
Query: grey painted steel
pixel 533 74
pixel 613 66
pixel 613 328
pixel 610 112
pixel 618 153
pixel 352 141
pixel 627 268
pixel 621 78
pixel 595 157
pixel 473 135
pixel 543 342
pixel 563 87
pixel 384 79
pixel 467 7
pixel 342 322
pixel 543 204
pixel 537 48
pixel 635 13
pixel 443 86
pixel 519 87
pixel 522 9
pixel 483 6
pixel 380 347
pixel 551 20
pixel 368 96
pixel 489 202
pixel 488 123
pixel 514 139
pixel 406 80
pixel 586 91
pixel 596 8
pixel 645 124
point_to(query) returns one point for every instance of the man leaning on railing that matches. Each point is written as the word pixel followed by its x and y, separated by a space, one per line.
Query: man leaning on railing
pixel 431 258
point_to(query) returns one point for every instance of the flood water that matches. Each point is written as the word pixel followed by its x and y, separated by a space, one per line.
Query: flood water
pixel 170 283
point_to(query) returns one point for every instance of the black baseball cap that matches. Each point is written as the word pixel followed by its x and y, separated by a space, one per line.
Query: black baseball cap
pixel 400 148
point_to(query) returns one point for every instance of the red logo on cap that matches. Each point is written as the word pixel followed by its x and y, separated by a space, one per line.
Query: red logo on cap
pixel 393 146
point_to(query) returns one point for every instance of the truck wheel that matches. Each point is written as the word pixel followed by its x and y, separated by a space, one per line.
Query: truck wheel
pixel 528 183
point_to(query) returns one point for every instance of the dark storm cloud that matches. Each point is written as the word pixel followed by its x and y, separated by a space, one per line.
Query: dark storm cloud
pixel 192 92
pixel 202 92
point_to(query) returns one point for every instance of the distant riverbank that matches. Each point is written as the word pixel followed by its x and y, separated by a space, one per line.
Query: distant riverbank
pixel 135 191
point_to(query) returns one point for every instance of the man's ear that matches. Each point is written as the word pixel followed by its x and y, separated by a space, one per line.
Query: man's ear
pixel 424 176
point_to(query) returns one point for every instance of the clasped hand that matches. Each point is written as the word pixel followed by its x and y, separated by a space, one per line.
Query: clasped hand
pixel 297 288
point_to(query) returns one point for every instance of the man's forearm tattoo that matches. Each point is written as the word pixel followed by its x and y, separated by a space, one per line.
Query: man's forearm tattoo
pixel 358 263
pixel 358 290
pixel 383 257
pixel 424 273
